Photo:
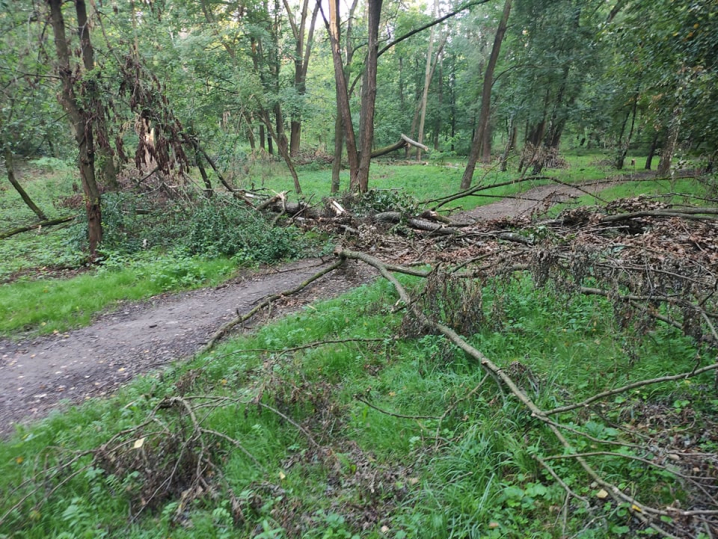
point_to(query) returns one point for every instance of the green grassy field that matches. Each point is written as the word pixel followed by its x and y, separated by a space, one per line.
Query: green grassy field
pixel 441 452
pixel 341 421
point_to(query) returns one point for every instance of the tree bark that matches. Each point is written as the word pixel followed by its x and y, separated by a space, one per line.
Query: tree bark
pixel 481 133
pixel 283 149
pixel 9 166
pixel 624 148
pixel 344 108
pixel 427 82
pixel 510 143
pixel 301 65
pixel 426 91
pixel 664 165
pixel 203 173
pixel 338 146
pixel 79 118
pixel 369 95
pixel 652 151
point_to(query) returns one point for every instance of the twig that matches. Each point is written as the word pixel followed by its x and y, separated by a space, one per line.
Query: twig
pixel 629 387
pixel 394 414
pixel 221 332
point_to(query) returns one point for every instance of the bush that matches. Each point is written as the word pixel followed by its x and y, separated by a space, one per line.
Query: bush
pixel 230 229
pixel 381 200
pixel 212 228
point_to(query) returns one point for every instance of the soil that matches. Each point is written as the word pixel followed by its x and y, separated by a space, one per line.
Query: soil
pixel 39 375
pixel 534 200
pixel 137 337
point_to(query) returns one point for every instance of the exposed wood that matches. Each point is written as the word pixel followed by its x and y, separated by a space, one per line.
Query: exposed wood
pixel 403 142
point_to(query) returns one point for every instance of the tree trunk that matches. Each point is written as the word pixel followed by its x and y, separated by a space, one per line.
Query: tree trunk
pixel 369 95
pixel 301 64
pixel 338 146
pixel 283 149
pixel 427 82
pixel 477 144
pixel 440 116
pixel 624 150
pixel 9 166
pixel 664 165
pixel 80 119
pixel 205 179
pixel 652 151
pixel 510 143
pixel 344 108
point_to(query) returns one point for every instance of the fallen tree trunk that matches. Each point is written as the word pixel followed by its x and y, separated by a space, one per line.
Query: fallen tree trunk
pixel 403 142
pixel 40 224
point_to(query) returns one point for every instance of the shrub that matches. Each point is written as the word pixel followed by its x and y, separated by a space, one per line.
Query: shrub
pixel 230 229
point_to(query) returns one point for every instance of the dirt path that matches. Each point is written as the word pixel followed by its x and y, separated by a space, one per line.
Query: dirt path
pixel 36 375
pixel 539 198
pixel 94 361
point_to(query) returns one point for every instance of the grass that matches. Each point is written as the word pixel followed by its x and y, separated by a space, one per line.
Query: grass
pixel 385 476
pixel 425 181
pixel 56 305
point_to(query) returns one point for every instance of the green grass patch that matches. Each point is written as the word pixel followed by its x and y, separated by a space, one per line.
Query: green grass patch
pixel 429 180
pixel 398 474
pixel 56 305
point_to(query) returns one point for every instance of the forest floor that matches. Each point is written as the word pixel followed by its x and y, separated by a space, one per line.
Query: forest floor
pixel 42 374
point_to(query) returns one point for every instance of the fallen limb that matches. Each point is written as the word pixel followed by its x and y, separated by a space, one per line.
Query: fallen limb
pixel 38 225
pixel 221 332
pixel 629 387
pixel 468 192
pixel 684 213
pixel 403 142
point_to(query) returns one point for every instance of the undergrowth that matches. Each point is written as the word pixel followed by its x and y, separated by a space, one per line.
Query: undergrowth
pixel 450 455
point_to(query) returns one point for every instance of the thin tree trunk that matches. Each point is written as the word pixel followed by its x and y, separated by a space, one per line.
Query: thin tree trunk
pixel 205 179
pixel 427 82
pixel 249 130
pixel 80 120
pixel 301 65
pixel 342 92
pixel 652 151
pixel 9 166
pixel 664 166
pixel 440 116
pixel 624 150
pixel 369 95
pixel 338 146
pixel 510 143
pixel 477 144
pixel 283 149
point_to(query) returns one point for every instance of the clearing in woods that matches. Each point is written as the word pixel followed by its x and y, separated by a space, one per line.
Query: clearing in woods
pixel 137 337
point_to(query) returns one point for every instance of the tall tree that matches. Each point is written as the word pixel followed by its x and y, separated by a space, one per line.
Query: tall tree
pixel 72 99
pixel 481 144
pixel 302 54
